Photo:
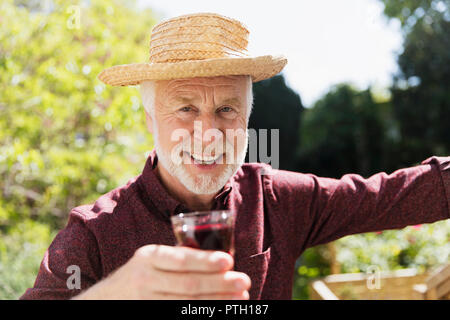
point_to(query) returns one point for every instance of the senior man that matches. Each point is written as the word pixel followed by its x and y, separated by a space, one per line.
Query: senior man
pixel 199 79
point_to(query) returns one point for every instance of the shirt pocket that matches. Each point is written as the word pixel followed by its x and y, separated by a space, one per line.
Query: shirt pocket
pixel 255 266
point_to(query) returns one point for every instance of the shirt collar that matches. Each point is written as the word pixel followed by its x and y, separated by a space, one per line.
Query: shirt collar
pixel 157 194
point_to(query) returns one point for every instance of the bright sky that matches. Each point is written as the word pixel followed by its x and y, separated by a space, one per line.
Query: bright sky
pixel 326 41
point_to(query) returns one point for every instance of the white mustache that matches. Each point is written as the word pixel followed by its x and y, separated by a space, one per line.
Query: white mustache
pixel 205 157
pixel 212 152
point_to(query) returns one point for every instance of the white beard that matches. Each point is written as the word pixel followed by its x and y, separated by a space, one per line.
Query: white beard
pixel 199 183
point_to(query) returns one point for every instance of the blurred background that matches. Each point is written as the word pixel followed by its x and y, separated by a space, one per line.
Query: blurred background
pixel 366 90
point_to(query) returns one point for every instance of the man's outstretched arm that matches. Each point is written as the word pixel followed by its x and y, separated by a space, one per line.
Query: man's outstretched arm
pixel 312 210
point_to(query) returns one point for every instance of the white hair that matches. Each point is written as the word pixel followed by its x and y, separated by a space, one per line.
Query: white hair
pixel 147 89
pixel 148 92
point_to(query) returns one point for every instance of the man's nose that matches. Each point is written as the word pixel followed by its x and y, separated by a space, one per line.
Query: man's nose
pixel 206 129
pixel 208 121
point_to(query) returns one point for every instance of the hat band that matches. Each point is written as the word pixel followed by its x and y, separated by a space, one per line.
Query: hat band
pixel 192 51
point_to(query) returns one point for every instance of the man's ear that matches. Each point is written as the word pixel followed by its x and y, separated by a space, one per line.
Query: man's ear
pixel 149 122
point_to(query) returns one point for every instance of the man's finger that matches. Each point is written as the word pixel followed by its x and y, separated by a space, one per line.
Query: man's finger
pixel 200 283
pixel 220 296
pixel 184 259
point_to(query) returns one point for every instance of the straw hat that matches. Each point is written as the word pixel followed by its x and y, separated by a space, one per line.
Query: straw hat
pixel 196 45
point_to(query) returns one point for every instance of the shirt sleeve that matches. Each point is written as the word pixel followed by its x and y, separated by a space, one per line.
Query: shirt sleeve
pixel 314 210
pixel 73 253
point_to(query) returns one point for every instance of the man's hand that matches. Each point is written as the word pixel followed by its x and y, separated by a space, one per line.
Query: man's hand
pixel 166 272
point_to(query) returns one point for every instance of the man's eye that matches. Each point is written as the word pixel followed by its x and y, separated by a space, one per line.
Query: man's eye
pixel 186 109
pixel 226 109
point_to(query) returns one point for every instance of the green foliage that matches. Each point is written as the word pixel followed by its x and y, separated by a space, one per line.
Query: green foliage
pixel 314 263
pixel 65 138
pixel 408 12
pixel 21 252
pixel 344 133
pixel 420 247
pixel 420 94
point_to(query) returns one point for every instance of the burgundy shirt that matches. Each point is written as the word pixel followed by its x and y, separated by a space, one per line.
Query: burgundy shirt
pixel 279 215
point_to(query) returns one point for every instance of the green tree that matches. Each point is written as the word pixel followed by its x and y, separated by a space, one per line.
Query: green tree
pixel 344 133
pixel 420 94
pixel 65 138
pixel 409 12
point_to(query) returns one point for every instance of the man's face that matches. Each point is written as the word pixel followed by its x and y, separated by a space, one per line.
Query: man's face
pixel 200 129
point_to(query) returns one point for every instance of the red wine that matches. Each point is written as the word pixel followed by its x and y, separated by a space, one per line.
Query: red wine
pixel 207 237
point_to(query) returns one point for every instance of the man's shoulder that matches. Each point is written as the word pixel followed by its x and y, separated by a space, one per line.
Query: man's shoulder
pixel 264 173
pixel 106 203
pixel 265 169
pixel 282 180
pixel 249 169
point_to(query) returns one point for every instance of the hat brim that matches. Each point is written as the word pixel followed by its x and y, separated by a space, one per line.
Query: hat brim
pixel 259 68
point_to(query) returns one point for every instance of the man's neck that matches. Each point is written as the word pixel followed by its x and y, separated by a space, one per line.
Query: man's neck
pixel 195 202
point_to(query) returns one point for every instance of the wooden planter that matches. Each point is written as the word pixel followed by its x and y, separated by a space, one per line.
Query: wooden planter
pixel 404 284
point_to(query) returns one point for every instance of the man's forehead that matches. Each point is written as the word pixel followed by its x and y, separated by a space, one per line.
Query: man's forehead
pixel 231 82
